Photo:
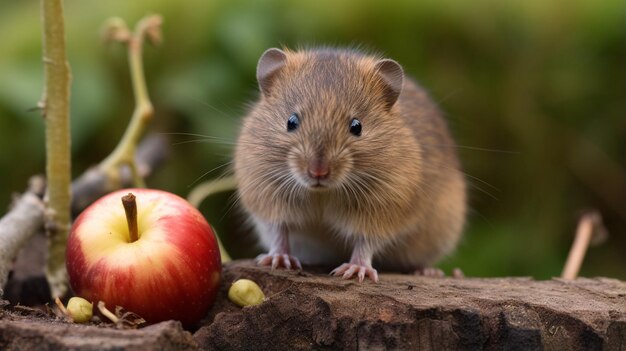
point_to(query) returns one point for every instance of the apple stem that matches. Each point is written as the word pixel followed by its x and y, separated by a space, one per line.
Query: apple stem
pixel 130 207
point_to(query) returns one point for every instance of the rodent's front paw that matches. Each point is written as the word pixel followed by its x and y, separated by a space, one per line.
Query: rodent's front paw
pixel 278 260
pixel 347 271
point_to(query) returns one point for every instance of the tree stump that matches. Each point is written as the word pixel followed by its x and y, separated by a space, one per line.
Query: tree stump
pixel 308 310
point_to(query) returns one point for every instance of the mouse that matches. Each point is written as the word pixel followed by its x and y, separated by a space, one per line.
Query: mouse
pixel 345 161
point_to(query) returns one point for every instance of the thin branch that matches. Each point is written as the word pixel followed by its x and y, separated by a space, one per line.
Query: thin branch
pixel 590 231
pixel 58 166
pixel 211 187
pixel 20 224
pixel 113 172
pixel 26 217
pixel 94 183
pixel 206 189
pixel 125 150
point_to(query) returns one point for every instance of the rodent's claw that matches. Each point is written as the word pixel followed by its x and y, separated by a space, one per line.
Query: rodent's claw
pixel 430 272
pixel 286 261
pixel 297 263
pixel 458 273
pixel 264 260
pixel 347 271
pixel 278 260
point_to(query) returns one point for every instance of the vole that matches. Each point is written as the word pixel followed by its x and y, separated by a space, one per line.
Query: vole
pixel 343 159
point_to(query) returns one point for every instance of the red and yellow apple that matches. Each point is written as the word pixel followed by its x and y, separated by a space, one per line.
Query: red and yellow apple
pixel 165 265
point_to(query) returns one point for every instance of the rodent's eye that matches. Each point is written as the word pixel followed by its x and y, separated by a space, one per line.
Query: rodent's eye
pixel 293 122
pixel 355 127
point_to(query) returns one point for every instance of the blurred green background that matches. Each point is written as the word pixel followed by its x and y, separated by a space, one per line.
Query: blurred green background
pixel 545 80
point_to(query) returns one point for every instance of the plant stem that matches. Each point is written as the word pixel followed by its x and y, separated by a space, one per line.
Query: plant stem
pixel 55 104
pixel 210 187
pixel 124 153
pixel 130 207
pixel 206 189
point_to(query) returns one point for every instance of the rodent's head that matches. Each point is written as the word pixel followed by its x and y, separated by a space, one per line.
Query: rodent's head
pixel 326 119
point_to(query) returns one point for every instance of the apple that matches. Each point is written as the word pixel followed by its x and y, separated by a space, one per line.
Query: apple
pixel 148 251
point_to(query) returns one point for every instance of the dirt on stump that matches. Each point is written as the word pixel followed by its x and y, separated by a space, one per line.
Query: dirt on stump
pixel 311 310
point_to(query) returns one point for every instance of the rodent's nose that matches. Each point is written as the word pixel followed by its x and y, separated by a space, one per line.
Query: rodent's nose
pixel 318 169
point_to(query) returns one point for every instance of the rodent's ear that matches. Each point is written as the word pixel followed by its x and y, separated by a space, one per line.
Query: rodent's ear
pixel 270 62
pixel 391 73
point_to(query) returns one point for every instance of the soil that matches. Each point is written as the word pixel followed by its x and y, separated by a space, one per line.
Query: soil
pixel 311 310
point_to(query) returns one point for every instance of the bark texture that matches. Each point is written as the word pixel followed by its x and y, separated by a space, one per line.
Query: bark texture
pixel 21 333
pixel 402 312
pixel 309 310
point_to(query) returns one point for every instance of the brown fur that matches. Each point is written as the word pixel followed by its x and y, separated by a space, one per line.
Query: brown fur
pixel 399 184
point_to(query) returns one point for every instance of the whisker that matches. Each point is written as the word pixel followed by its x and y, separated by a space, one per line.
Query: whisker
pixel 475 148
pixel 451 94
pixel 207 173
pixel 232 205
pixel 199 141
pixel 482 181
pixel 193 135
pixel 435 165
pixel 483 191
pixel 212 107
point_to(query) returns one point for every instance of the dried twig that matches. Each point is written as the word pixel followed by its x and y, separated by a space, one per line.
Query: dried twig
pixel 590 231
pixel 20 224
pixel 65 315
pixel 122 319
pixel 107 313
pixel 26 217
